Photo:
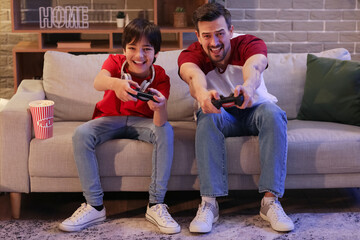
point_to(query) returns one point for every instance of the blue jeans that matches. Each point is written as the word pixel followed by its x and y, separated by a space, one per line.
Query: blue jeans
pixel 267 121
pixel 90 134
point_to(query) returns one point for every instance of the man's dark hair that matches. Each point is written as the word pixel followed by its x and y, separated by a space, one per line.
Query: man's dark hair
pixel 140 27
pixel 210 12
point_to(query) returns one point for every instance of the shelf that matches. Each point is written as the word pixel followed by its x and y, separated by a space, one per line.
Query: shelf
pixel 104 37
pixel 163 9
pixel 26 46
pixel 93 28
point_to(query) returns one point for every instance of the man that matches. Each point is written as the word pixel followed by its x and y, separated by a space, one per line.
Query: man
pixel 219 65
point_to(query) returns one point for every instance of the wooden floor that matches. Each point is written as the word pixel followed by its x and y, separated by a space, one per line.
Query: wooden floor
pixel 133 204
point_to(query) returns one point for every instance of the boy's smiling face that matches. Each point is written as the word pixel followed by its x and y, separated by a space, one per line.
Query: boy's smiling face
pixel 140 56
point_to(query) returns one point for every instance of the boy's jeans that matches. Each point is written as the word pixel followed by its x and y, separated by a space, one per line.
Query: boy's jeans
pixel 267 121
pixel 97 131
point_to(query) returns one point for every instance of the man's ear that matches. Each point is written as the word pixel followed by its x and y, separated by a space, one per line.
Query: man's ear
pixel 231 30
pixel 198 36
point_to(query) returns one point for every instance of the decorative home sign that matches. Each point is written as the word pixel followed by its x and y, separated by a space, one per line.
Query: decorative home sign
pixel 64 17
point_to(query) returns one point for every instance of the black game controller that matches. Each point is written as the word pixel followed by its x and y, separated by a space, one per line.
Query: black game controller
pixel 144 96
pixel 228 101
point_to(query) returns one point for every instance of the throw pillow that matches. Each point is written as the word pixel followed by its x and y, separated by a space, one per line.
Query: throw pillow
pixel 332 91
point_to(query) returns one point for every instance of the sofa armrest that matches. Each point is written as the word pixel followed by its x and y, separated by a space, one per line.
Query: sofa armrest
pixel 15 136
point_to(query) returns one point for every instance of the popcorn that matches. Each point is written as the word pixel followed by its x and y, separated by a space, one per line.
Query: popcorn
pixel 42 112
pixel 41 103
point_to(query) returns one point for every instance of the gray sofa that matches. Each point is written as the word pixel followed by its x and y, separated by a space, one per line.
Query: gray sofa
pixel 321 154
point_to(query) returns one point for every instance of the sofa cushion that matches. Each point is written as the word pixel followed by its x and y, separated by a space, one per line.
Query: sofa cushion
pixel 68 81
pixel 332 91
pixel 53 157
pixel 314 148
pixel 286 74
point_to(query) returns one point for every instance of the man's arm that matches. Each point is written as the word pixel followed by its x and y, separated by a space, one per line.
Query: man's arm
pixel 196 80
pixel 252 70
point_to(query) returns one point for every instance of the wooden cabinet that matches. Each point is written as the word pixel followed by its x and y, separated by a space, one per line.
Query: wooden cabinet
pixel 104 37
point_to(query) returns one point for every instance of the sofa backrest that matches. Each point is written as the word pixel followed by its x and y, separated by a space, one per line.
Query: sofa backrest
pixel 180 104
pixel 68 81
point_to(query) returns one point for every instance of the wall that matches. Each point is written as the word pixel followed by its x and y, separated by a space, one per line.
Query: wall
pixel 7 41
pixel 286 25
pixel 299 26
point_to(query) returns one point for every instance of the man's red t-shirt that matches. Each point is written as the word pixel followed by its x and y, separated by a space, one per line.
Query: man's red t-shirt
pixel 225 81
pixel 242 48
pixel 110 105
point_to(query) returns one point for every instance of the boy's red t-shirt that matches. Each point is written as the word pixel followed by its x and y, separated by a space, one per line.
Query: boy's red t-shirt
pixel 110 105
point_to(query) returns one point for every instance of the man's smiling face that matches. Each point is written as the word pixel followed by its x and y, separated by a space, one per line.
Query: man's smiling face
pixel 214 37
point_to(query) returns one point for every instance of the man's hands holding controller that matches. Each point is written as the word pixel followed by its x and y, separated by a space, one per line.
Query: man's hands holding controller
pixel 208 107
pixel 248 93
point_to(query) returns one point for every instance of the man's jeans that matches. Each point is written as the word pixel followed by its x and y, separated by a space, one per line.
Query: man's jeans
pixel 97 131
pixel 267 121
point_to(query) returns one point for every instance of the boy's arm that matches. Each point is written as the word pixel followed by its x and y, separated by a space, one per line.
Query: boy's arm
pixel 103 81
pixel 160 111
pixel 196 80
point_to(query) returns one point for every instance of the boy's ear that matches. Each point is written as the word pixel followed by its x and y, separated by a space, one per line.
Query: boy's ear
pixel 156 55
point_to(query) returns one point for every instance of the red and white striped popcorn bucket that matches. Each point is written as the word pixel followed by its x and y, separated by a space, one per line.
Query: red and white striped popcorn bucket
pixel 42 112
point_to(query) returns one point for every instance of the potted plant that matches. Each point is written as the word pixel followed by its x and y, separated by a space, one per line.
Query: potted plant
pixel 180 17
pixel 120 19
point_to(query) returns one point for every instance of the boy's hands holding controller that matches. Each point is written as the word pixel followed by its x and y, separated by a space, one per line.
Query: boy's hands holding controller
pixel 161 101
pixel 122 88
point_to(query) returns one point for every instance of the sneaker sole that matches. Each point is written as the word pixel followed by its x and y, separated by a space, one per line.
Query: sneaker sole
pixel 263 216
pixel 67 228
pixel 196 230
pixel 163 229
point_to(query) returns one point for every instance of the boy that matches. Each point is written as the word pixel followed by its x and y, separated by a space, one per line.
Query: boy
pixel 121 115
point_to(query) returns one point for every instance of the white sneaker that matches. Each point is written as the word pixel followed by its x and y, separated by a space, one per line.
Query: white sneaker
pixel 159 215
pixel 206 215
pixel 83 217
pixel 274 213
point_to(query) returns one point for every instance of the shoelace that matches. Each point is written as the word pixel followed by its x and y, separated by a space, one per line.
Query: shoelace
pixel 202 214
pixel 278 210
pixel 78 212
pixel 163 213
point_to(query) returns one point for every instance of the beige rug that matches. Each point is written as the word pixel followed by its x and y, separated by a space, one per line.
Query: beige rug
pixel 332 226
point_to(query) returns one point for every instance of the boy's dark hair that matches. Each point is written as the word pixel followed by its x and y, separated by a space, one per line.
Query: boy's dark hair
pixel 209 12
pixel 140 27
